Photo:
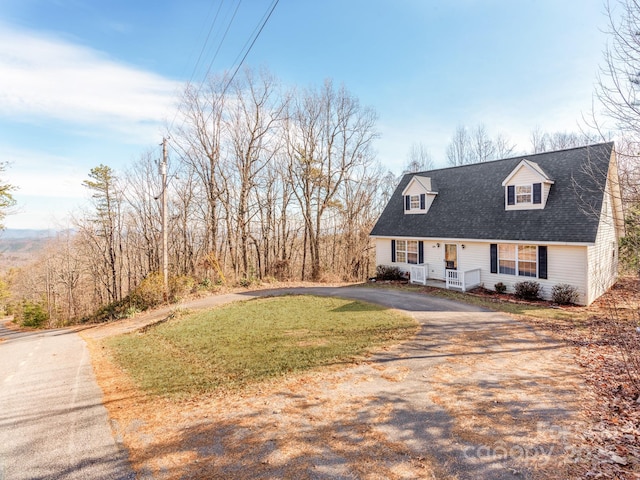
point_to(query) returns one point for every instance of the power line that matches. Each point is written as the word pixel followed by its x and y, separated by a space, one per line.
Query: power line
pixel 274 4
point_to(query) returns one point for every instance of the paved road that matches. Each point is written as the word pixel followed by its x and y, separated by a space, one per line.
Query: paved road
pixel 52 422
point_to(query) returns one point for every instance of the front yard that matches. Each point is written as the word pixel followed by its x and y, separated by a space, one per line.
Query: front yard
pixel 550 397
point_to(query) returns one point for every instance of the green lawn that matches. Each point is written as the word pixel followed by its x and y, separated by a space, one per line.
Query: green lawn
pixel 243 343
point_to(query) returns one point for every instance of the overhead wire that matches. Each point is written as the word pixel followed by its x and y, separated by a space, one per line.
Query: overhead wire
pixel 251 41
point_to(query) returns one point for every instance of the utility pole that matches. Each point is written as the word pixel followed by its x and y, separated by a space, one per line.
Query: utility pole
pixel 165 250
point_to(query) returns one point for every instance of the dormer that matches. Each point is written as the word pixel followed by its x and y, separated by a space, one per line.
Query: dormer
pixel 418 195
pixel 527 187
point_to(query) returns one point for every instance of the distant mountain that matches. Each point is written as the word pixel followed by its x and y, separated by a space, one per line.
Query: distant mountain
pixel 12 233
pixel 19 246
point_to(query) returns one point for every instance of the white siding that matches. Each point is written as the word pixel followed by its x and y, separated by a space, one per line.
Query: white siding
pixel 383 251
pixel 603 256
pixel 415 189
pixel 525 176
pixel 565 264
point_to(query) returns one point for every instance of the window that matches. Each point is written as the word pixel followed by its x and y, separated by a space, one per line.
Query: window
pixel 415 202
pixel 527 264
pixel 523 194
pixel 518 258
pixel 507 259
pixel 401 251
pixel 407 251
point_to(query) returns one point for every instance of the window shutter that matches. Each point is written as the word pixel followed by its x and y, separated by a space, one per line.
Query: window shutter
pixel 407 202
pixel 422 201
pixel 494 258
pixel 511 195
pixel 542 262
pixel 537 193
pixel 420 252
pixel 393 251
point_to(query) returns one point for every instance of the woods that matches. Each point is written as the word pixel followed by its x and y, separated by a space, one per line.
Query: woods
pixel 264 184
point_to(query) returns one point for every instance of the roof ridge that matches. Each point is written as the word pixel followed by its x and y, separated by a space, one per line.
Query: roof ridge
pixel 523 157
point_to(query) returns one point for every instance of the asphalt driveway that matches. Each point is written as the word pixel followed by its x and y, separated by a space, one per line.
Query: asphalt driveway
pixel 474 395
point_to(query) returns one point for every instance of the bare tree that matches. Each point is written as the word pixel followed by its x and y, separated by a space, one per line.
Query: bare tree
pixel 482 146
pixel 329 137
pixel 477 146
pixel 459 150
pixel 419 159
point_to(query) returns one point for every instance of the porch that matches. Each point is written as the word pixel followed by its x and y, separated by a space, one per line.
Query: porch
pixel 454 279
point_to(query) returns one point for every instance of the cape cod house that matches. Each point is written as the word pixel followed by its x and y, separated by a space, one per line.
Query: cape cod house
pixel 553 217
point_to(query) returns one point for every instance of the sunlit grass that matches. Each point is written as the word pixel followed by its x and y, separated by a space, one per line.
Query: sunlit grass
pixel 259 339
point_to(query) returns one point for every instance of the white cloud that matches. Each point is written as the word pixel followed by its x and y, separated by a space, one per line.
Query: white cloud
pixel 51 78
pixel 38 174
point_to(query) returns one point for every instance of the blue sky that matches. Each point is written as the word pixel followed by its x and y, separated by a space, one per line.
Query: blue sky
pixel 84 82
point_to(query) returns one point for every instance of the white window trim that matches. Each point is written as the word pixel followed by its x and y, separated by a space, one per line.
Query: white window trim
pixel 517 260
pixel 417 201
pixel 530 201
pixel 406 251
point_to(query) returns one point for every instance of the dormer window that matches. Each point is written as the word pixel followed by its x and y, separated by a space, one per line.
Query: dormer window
pixel 523 194
pixel 527 187
pixel 415 202
pixel 418 195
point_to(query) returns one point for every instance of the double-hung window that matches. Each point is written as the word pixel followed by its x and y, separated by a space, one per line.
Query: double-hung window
pixel 415 202
pixel 527 261
pixel 522 259
pixel 523 194
pixel 507 259
pixel 407 251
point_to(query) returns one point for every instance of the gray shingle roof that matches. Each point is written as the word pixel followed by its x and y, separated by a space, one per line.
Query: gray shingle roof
pixel 470 201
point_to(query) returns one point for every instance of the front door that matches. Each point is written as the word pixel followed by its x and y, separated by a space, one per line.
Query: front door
pixel 450 256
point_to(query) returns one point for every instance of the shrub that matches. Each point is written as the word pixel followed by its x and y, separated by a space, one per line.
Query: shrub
pixel 149 293
pixel 500 287
pixel 528 290
pixel 180 287
pixel 564 294
pixel 385 272
pixel 33 314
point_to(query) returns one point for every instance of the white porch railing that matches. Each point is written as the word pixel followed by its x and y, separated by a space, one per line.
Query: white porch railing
pixel 463 280
pixel 419 273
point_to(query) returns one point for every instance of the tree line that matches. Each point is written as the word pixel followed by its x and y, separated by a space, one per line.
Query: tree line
pixel 268 183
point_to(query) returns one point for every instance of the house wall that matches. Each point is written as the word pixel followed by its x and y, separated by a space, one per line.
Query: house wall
pixel 565 264
pixel 603 256
pixel 526 176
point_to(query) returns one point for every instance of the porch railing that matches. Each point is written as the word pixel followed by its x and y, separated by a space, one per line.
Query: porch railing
pixel 463 280
pixel 419 273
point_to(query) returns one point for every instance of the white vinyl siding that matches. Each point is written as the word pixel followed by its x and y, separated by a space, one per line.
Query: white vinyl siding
pixel 565 264
pixel 603 256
